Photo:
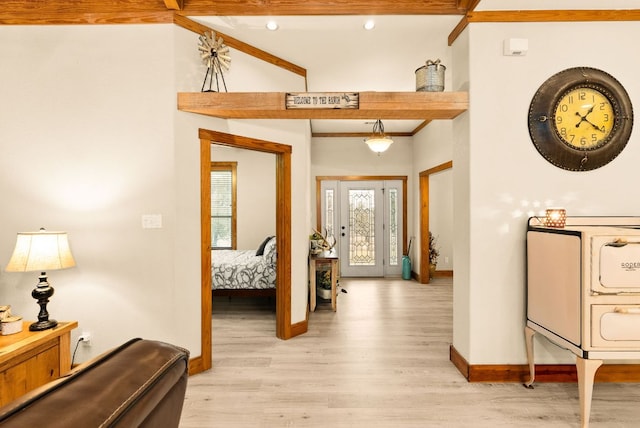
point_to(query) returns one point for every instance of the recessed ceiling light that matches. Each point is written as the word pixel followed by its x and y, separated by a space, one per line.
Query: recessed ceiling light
pixel 272 25
pixel 370 24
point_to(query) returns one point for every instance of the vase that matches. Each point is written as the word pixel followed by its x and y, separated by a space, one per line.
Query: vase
pixel 432 269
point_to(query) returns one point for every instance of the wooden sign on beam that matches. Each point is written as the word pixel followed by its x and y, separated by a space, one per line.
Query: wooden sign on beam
pixel 322 100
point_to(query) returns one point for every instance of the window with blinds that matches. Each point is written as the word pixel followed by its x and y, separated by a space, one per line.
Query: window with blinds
pixel 223 205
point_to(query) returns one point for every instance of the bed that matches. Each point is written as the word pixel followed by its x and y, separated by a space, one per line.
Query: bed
pixel 245 272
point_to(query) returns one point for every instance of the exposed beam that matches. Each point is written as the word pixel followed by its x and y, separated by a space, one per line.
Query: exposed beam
pixel 372 105
pixel 174 4
pixel 358 134
pixel 555 15
pixel 363 134
pixel 52 12
pixel 198 28
pixel 322 7
pixel 543 16
pixel 420 127
pixel 468 5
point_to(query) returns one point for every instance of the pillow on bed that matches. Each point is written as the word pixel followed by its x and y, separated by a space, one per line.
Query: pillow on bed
pixel 270 251
pixel 260 251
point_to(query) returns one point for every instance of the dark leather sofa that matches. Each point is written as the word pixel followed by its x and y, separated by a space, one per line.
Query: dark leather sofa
pixel 139 384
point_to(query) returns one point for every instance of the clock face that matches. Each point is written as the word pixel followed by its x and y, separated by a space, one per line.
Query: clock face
pixel 584 118
pixel 580 119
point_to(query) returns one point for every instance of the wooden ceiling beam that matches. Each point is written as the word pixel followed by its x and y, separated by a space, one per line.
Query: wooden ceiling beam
pixel 53 12
pixel 543 16
pixel 358 134
pixel 322 7
pixel 234 43
pixel 40 12
pixel 372 105
pixel 554 15
pixel 174 4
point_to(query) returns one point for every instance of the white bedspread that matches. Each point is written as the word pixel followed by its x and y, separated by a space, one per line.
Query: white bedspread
pixel 242 269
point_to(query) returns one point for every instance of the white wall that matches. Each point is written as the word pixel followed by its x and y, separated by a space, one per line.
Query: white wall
pixel 92 140
pixel 441 216
pixel 86 134
pixel 508 180
pixel 256 193
pixel 433 146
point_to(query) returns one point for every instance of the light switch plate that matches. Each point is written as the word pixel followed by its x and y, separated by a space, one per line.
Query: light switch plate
pixel 152 221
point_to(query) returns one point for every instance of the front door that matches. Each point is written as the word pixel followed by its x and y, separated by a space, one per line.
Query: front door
pixel 366 218
pixel 361 228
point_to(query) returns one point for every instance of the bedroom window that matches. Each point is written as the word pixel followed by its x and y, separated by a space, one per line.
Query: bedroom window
pixel 223 205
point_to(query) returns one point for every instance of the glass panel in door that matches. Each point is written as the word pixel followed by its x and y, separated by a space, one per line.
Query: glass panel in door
pixel 361 228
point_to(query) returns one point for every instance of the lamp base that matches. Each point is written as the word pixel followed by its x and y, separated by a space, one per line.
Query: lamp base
pixel 42 293
pixel 43 325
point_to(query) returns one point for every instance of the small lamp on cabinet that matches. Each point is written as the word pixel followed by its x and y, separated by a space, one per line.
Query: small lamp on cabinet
pixel 41 251
pixel 555 217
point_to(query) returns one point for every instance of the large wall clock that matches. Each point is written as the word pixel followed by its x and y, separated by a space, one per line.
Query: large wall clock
pixel 580 119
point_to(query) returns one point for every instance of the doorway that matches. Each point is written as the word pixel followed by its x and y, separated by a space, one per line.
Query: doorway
pixel 283 235
pixel 367 216
pixel 424 218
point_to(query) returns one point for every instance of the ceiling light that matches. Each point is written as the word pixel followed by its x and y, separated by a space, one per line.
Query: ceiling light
pixel 370 24
pixel 272 25
pixel 378 142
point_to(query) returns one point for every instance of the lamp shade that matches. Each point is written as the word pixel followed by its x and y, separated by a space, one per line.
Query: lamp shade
pixel 379 144
pixel 41 251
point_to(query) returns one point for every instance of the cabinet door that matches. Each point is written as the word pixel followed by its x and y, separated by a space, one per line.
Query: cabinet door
pixel 29 374
pixel 553 283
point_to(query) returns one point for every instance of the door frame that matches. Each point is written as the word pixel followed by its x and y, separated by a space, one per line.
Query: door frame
pixel 283 235
pixel 403 178
pixel 424 218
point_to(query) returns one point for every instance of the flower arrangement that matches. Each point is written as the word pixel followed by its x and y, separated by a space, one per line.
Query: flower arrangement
pixel 320 243
pixel 434 253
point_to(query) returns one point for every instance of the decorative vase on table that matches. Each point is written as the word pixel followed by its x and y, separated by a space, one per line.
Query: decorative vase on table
pixel 432 270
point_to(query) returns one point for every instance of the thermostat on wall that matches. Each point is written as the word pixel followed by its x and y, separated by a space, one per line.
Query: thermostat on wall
pixel 515 47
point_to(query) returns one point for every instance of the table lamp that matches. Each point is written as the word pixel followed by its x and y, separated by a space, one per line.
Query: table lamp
pixel 41 251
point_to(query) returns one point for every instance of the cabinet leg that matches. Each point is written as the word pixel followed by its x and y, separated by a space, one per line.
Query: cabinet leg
pixel 586 373
pixel 312 285
pixel 528 338
pixel 334 284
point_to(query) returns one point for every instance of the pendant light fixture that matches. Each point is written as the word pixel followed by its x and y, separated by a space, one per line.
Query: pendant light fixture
pixel 378 142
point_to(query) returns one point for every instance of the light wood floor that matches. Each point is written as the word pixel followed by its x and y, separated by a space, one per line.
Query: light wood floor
pixel 381 360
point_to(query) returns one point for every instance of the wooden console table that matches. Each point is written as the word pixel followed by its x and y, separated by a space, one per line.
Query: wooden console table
pixel 30 359
pixel 323 258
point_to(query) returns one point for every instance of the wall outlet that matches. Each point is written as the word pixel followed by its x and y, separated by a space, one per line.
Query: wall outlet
pixel 85 338
pixel 446 259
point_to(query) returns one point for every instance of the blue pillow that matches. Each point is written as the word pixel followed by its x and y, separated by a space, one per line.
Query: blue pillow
pixel 260 251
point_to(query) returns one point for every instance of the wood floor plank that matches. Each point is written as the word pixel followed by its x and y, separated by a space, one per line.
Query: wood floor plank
pixel 381 360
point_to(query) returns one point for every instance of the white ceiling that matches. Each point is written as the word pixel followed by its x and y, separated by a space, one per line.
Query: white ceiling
pixel 340 55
